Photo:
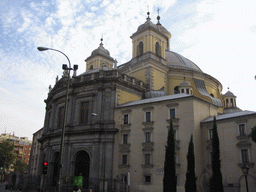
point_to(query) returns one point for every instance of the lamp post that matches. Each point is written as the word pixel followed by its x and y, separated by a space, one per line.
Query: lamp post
pixel 104 152
pixel 245 170
pixel 64 67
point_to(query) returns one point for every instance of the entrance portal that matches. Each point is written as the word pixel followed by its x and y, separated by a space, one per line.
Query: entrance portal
pixel 82 167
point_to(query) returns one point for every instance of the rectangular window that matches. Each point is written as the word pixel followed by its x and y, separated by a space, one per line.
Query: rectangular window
pixel 61 117
pixel 210 134
pixel 49 118
pixel 124 179
pixel 147 179
pixel 187 90
pixel 172 113
pixel 84 112
pixel 245 155
pixel 242 129
pixel 124 160
pixel 148 137
pixel 148 116
pixel 126 119
pixel 125 138
pixel 147 159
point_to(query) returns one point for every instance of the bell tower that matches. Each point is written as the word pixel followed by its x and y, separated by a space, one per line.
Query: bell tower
pixel 150 38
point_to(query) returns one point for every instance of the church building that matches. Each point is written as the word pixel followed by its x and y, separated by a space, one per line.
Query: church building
pixel 118 119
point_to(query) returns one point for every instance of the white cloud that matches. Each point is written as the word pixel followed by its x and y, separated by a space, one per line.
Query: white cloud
pixel 219 40
pixel 218 36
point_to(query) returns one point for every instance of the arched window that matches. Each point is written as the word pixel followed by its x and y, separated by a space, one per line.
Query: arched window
pixel 158 49
pixel 176 90
pixel 140 49
pixel 91 67
pixel 212 95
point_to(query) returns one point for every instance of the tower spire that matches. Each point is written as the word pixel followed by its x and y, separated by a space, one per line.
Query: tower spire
pixel 148 13
pixel 158 17
pixel 101 40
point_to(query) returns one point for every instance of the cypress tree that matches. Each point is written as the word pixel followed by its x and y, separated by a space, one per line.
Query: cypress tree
pixel 190 185
pixel 253 134
pixel 216 182
pixel 170 180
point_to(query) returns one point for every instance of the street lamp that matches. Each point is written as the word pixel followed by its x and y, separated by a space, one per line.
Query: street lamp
pixel 64 67
pixel 104 152
pixel 245 170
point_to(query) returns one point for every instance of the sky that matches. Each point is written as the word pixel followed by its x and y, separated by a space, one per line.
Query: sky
pixel 218 35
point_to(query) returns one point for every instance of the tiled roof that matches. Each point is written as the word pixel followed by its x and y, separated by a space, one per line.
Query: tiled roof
pixel 230 115
pixel 155 99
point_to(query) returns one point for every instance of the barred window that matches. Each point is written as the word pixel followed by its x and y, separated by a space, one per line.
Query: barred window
pixel 126 119
pixel 245 155
pixel 172 114
pixel 242 131
pixel 147 159
pixel 125 138
pixel 148 116
pixel 148 137
pixel 124 159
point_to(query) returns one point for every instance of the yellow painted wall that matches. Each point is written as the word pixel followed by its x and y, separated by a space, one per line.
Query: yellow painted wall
pixel 172 82
pixel 176 81
pixel 140 75
pixel 212 90
pixel 149 40
pixel 125 96
pixel 158 79
pixel 96 62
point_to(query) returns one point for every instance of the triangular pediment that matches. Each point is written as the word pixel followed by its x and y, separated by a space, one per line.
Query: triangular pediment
pixel 59 85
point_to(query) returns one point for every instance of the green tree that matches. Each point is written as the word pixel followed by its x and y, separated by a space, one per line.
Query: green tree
pixel 190 184
pixel 20 166
pixel 170 180
pixel 7 156
pixel 216 181
pixel 253 134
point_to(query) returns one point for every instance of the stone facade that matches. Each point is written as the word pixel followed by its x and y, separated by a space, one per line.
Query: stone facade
pixel 118 119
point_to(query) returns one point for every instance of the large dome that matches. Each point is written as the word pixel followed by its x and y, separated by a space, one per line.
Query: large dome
pixel 176 60
pixel 156 27
pixel 100 50
pixel 146 25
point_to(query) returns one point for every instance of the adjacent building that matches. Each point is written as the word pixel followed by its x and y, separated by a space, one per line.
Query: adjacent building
pixel 34 168
pixel 118 118
pixel 22 147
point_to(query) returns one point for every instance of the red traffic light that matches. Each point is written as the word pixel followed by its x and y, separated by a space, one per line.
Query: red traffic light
pixel 45 163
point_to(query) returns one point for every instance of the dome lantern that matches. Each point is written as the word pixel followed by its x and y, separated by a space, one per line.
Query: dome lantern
pixel 99 58
pixel 185 87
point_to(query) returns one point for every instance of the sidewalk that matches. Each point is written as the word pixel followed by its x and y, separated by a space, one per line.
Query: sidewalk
pixel 2 188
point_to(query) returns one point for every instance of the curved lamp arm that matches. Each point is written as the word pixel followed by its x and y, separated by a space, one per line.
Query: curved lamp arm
pixel 45 49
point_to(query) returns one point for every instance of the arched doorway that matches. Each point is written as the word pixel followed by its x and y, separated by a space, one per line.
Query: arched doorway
pixel 82 167
pixel 55 168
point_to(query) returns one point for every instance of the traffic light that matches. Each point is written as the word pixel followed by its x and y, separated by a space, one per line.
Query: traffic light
pixel 45 166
